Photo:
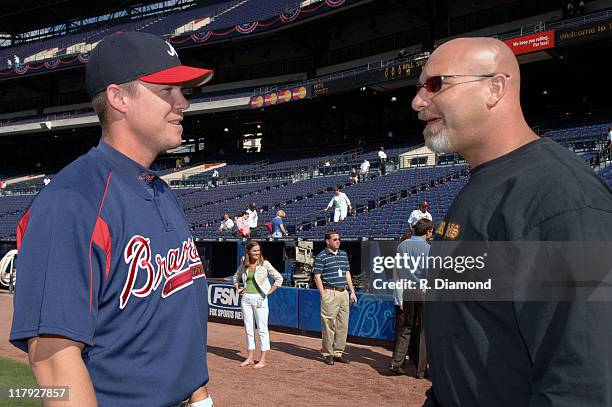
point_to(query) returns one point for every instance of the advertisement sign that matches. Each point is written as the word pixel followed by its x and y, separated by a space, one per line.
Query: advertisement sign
pixel 584 33
pixel 223 301
pixel 532 43
pixel 398 71
pixel 257 102
pixel 373 316
pixel 280 97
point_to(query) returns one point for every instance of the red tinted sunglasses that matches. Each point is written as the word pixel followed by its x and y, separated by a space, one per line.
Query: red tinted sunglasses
pixel 434 83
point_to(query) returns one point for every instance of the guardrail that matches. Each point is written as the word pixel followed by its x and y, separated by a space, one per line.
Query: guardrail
pixel 345 74
pixel 429 160
pixel 545 26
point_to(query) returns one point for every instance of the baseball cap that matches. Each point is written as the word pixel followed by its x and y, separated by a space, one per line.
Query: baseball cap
pixel 424 203
pixel 127 56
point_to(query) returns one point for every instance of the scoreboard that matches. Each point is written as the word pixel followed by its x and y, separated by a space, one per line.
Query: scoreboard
pixel 397 71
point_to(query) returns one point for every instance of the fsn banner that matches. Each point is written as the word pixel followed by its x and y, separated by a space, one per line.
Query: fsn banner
pixel 223 301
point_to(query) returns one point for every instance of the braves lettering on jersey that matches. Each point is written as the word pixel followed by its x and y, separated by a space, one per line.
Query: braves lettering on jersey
pixel 107 259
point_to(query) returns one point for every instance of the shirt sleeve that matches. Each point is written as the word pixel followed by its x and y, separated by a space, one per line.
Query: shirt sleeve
pixel 272 272
pixel 236 277
pixel 60 271
pixel 411 218
pixel 318 265
pixel 348 201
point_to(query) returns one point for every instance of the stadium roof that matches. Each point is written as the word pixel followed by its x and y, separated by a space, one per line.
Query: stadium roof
pixel 20 16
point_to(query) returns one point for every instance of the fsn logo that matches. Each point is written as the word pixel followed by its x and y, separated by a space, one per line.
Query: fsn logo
pixel 223 296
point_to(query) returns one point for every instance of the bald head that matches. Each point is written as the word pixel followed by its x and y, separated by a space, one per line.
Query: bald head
pixel 478 56
pixel 470 100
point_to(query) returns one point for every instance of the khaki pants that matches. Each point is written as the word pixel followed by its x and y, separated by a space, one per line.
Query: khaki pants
pixel 334 322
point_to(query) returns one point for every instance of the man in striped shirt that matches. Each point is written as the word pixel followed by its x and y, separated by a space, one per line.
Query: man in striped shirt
pixel 333 280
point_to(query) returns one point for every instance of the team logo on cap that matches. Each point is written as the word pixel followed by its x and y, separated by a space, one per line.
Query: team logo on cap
pixel 171 51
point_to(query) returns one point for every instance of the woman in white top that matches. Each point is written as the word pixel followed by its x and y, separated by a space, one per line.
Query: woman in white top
pixel 341 204
pixel 253 275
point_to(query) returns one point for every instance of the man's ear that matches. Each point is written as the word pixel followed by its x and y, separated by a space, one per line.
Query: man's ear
pixel 116 97
pixel 498 86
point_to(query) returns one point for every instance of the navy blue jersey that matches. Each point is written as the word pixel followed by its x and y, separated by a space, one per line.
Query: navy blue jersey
pixel 107 259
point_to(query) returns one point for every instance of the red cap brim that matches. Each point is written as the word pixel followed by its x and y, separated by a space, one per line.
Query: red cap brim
pixel 185 76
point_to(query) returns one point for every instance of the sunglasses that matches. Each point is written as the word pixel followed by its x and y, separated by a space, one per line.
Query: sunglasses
pixel 434 83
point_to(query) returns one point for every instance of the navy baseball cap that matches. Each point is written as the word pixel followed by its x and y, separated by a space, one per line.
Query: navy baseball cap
pixel 127 56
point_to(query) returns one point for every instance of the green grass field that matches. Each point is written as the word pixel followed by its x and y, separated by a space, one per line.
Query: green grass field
pixel 14 375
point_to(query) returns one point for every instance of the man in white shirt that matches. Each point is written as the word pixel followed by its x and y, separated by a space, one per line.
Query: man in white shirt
pixel 253 218
pixel 363 170
pixel 341 204
pixel 215 177
pixel 418 214
pixel 382 160
pixel 227 223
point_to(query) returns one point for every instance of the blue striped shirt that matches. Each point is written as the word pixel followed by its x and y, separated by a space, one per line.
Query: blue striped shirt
pixel 332 267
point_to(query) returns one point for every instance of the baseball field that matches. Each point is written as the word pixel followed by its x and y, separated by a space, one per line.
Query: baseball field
pixel 294 375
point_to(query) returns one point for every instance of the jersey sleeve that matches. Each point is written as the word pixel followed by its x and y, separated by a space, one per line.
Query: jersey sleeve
pixel 60 270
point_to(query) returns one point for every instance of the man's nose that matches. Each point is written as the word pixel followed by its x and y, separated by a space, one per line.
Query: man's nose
pixel 419 102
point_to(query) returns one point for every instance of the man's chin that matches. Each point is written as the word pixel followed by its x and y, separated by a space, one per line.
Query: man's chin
pixel 175 142
pixel 438 146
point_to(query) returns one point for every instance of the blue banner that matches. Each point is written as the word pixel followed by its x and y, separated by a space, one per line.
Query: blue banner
pixel 283 304
pixel 224 302
pixel 371 317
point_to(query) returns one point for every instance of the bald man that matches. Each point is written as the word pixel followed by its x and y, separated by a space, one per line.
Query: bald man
pixel 522 188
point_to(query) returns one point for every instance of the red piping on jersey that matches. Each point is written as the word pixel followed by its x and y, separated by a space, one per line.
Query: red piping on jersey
pixel 22 226
pixel 101 237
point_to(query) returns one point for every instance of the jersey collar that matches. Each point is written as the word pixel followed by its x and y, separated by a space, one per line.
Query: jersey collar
pixel 139 177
